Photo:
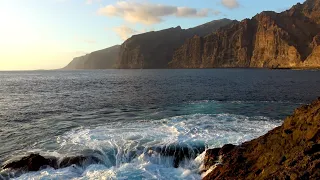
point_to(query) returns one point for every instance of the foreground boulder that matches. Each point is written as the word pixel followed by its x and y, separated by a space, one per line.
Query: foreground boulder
pixel 291 151
pixel 34 162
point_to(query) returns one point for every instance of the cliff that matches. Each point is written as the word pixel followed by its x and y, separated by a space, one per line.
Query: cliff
pixel 269 40
pixel 291 151
pixel 155 49
pixel 102 59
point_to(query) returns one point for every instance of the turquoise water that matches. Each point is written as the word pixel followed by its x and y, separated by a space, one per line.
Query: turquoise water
pixel 119 115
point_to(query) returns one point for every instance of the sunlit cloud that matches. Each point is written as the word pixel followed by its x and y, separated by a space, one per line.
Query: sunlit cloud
pixel 231 4
pixel 149 13
pixel 124 32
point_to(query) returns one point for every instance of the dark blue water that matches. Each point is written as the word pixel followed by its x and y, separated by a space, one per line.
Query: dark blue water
pixel 63 112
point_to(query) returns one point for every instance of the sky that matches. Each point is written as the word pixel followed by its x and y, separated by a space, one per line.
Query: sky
pixel 48 34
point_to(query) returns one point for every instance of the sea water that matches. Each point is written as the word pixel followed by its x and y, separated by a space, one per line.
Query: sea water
pixel 118 115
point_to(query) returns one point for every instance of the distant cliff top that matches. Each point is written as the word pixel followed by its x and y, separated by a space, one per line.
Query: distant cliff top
pixel 101 59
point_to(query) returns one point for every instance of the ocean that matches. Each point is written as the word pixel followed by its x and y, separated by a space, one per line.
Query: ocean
pixel 120 114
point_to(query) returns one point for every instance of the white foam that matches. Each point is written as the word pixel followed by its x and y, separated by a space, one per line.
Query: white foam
pixel 213 130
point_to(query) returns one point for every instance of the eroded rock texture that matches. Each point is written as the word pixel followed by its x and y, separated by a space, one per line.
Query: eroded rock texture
pixel 291 151
pixel 269 40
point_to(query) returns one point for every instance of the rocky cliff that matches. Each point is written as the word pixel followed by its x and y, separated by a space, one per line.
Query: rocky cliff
pixel 102 59
pixel 269 40
pixel 291 151
pixel 155 49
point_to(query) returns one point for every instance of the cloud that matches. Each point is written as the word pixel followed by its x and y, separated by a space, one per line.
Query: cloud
pixel 148 13
pixel 231 4
pixel 125 32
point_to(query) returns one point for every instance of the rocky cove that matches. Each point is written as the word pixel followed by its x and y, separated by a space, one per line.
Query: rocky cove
pixel 290 151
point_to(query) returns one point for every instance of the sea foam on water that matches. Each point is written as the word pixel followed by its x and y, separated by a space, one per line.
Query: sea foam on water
pixel 129 150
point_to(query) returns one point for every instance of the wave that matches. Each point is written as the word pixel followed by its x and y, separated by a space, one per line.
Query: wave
pixel 170 148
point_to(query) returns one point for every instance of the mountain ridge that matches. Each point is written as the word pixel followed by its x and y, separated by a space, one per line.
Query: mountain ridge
pixel 289 39
pixel 101 59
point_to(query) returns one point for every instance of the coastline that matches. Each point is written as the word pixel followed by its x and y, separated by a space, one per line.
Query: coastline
pixel 290 151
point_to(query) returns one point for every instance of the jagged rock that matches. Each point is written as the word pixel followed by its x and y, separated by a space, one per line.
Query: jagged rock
pixel 290 151
pixel 102 59
pixel 33 162
pixel 179 152
pixel 268 40
pixel 155 49
pixel 211 157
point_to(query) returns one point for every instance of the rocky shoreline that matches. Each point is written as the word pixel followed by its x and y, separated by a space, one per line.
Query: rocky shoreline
pixel 290 151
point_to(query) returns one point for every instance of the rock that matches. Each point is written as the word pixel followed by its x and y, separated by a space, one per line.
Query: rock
pixel 179 152
pixel 290 151
pixel 269 40
pixel 155 49
pixel 226 148
pixel 102 59
pixel 33 162
pixel 211 158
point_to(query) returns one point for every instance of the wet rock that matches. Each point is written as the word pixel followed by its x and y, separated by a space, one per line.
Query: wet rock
pixel 179 152
pixel 211 158
pixel 33 162
pixel 278 154
pixel 68 161
pixel 226 148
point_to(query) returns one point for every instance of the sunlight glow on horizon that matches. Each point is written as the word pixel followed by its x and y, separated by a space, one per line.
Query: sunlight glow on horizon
pixel 48 34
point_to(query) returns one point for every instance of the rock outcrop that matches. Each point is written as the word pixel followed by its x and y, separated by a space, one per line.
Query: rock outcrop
pixel 155 49
pixel 269 40
pixel 102 59
pixel 291 151
pixel 35 162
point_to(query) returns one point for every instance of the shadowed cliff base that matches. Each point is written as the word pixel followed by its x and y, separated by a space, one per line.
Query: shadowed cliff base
pixel 291 151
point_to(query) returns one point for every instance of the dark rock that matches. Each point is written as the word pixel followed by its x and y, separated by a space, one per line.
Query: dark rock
pixel 226 148
pixel 33 162
pixel 68 161
pixel 282 160
pixel 179 152
pixel 288 131
pixel 211 157
pixel 277 155
pixel 313 149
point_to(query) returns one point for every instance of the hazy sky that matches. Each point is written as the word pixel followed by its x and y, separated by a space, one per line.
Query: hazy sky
pixel 47 34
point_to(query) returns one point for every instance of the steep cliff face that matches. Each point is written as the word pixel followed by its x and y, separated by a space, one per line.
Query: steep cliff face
pixel 290 151
pixel 102 59
pixel 273 40
pixel 155 49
